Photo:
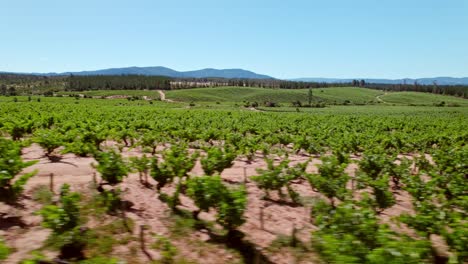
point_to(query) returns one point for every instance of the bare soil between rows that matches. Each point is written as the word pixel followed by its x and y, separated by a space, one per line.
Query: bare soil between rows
pixel 21 227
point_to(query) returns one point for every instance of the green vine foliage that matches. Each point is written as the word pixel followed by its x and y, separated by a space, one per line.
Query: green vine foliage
pixel 436 215
pixel 177 162
pixel 17 129
pixel 419 189
pixel 278 177
pixel 440 200
pixel 230 203
pixel 248 146
pixel 93 134
pixel 331 179
pixel 167 249
pixel 49 140
pixel 231 208
pixel 4 250
pixel 457 239
pixel 217 160
pixel 110 200
pixel 351 233
pixel 65 220
pixel 111 167
pixel 450 175
pixel 150 140
pixel 205 191
pixel 81 142
pixel 308 144
pixel 11 164
pixel 375 169
pixel 65 216
pixel 142 165
pixel 123 134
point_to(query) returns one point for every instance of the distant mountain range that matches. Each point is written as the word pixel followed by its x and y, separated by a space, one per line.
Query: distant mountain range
pixel 163 71
pixel 427 81
pixel 244 74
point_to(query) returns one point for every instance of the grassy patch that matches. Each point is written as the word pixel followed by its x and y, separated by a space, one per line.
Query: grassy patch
pixel 218 95
pixel 182 226
pixel 415 98
pixel 102 239
pixel 42 195
pixel 4 250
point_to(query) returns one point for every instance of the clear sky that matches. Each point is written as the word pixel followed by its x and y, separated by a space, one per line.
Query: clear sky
pixel 284 39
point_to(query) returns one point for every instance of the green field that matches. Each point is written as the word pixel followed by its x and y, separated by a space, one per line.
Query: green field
pixel 330 96
pixel 370 110
pixel 123 138
pixel 337 95
pixel 261 95
pixel 415 98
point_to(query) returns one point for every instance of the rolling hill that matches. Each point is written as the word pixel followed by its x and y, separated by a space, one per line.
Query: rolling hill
pixel 240 94
pixel 244 74
pixel 424 81
pixel 332 95
pixel 414 98
pixel 163 71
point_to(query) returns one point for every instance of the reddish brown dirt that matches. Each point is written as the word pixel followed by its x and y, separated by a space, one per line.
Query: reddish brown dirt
pixel 148 210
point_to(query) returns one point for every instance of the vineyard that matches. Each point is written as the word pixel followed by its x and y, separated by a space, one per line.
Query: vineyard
pixel 87 180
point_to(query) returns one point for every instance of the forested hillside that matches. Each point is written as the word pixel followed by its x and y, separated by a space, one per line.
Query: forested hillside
pixel 15 84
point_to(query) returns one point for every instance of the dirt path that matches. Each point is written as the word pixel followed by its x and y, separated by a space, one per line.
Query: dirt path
pixel 379 99
pixel 254 109
pixel 162 96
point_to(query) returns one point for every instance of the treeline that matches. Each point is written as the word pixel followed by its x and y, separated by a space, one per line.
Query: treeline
pixel 20 84
pixel 454 90
pixel 117 82
pixel 16 84
pixel 11 78
pixel 187 83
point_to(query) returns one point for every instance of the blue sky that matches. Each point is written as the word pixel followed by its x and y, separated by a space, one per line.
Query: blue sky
pixel 284 39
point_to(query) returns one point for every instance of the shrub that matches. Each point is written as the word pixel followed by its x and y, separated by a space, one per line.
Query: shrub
pixel 110 200
pixel 374 172
pixel 270 104
pixel 4 250
pixel 351 233
pixel 111 167
pixel 168 250
pixel 177 163
pixel 11 164
pixel 209 192
pixel 49 140
pixel 43 195
pixel 217 159
pixel 142 165
pixel 100 260
pixel 296 103
pixel 231 209
pixel 64 219
pixel 453 105
pixel 206 192
pixel 275 178
pixel 331 179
